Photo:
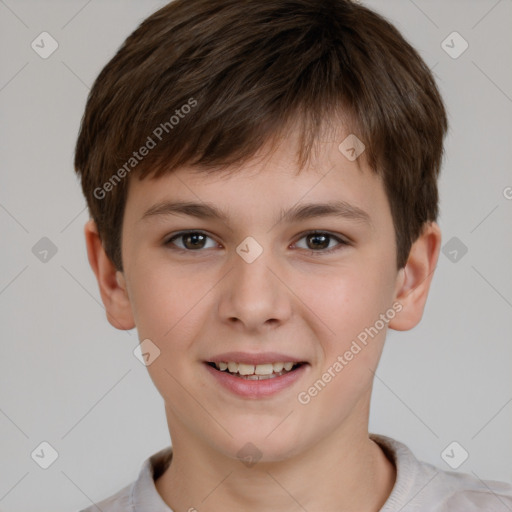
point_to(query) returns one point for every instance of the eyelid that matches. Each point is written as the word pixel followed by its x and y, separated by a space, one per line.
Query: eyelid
pixel 342 242
pixel 173 236
pixel 338 236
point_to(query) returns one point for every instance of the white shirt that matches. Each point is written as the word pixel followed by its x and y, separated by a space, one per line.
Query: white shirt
pixel 419 487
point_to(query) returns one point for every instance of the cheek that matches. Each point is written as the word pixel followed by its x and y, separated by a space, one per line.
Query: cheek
pixel 352 333
pixel 351 346
pixel 347 301
pixel 169 308
pixel 166 312
pixel 163 299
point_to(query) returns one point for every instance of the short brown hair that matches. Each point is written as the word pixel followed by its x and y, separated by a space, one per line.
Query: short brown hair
pixel 217 80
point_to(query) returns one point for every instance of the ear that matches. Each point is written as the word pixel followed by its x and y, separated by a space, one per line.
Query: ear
pixel 110 281
pixel 413 281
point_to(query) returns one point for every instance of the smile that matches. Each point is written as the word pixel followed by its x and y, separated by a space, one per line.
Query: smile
pixel 255 372
pixel 256 375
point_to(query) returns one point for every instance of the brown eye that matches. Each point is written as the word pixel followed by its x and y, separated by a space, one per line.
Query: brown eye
pixel 191 240
pixel 319 242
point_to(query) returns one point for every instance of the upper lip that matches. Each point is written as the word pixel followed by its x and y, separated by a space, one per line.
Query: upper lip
pixel 255 358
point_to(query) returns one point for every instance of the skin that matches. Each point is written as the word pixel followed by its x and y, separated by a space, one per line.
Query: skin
pixel 196 304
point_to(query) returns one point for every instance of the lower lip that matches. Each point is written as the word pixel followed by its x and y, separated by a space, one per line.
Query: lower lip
pixel 256 388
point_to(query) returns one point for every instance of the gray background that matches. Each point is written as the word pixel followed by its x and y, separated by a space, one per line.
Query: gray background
pixel 67 377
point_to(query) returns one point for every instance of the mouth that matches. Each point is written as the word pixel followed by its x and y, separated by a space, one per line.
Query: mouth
pixel 264 371
pixel 253 375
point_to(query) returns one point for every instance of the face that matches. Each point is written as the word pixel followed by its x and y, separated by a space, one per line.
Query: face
pixel 259 286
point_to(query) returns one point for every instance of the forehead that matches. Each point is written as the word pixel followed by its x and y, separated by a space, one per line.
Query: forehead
pixel 267 184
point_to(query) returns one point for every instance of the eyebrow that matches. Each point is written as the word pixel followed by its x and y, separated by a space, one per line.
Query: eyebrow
pixel 296 213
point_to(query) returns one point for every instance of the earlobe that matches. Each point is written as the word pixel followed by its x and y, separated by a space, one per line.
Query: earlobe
pixel 413 281
pixel 111 282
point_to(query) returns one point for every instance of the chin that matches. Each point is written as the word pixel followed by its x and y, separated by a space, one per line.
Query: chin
pixel 257 445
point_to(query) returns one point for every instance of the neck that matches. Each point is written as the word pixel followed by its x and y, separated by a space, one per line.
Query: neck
pixel 346 471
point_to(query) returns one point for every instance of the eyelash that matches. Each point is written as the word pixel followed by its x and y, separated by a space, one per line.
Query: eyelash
pixel 341 241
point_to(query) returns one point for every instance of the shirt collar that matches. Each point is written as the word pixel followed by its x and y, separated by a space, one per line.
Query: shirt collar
pixel 144 495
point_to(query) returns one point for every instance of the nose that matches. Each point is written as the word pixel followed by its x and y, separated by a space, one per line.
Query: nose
pixel 254 295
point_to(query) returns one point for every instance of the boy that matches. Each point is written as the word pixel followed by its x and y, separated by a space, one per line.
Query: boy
pixel 262 182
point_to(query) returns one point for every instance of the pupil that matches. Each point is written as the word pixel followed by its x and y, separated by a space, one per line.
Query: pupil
pixel 195 239
pixel 321 245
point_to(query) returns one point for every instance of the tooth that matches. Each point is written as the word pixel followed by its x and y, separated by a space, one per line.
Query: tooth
pixel 245 369
pixel 264 369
